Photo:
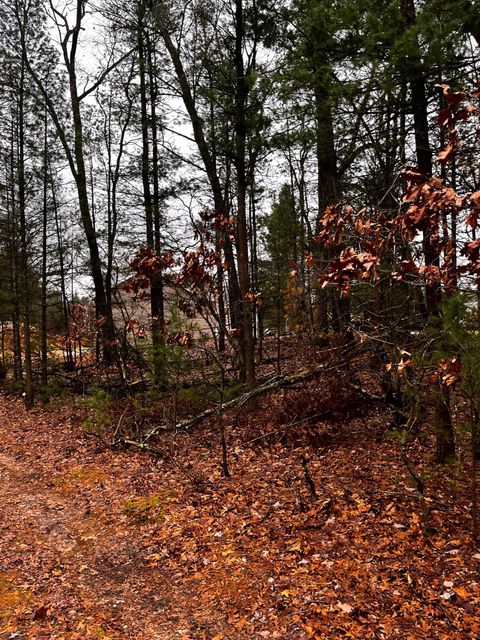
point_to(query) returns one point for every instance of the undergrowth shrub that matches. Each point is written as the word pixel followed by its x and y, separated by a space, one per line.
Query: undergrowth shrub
pixel 99 404
pixel 56 389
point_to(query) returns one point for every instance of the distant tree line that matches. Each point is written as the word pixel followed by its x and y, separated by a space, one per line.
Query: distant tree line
pixel 240 152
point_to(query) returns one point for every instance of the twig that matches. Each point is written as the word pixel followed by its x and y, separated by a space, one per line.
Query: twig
pixel 308 478
pixel 117 428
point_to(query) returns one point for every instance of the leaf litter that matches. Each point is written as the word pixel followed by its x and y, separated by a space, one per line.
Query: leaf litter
pixel 113 544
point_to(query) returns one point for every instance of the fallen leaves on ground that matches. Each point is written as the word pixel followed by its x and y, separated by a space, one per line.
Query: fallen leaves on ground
pixel 109 544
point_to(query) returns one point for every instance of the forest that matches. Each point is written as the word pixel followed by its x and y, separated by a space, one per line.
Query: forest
pixel 239 319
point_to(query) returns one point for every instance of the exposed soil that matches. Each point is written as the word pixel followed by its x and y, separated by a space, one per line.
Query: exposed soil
pixel 72 563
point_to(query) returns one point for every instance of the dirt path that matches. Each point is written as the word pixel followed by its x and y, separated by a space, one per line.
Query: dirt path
pixel 73 563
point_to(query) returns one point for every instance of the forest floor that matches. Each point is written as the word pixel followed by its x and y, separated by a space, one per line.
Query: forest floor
pixel 111 544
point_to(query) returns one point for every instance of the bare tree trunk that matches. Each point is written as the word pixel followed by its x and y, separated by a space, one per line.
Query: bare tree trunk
pixel 327 193
pixel 242 234
pixel 14 261
pixel 43 318
pixel 419 105
pixel 431 250
pixel 61 265
pixel 24 266
pixel 234 290
pixel 157 294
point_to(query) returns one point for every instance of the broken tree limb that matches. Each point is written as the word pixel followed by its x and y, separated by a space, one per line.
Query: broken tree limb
pixel 279 382
pixel 364 393
pixel 399 415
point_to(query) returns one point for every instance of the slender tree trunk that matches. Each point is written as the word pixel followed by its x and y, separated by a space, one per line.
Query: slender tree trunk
pixel 220 272
pixel 63 276
pixel 24 265
pixel 113 180
pixel 242 234
pixel 43 318
pixel 16 329
pixel 252 250
pixel 221 296
pixel 149 173
pixel 419 104
pixel 328 195
pixel 14 261
pixel 221 209
pixel 103 310
pixel 157 293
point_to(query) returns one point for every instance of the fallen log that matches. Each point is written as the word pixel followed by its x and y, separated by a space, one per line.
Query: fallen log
pixel 278 382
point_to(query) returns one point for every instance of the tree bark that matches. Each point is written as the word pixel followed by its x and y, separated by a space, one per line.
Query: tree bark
pixel 151 204
pixel 24 266
pixel 242 234
pixel 419 106
pixel 433 293
pixel 43 317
